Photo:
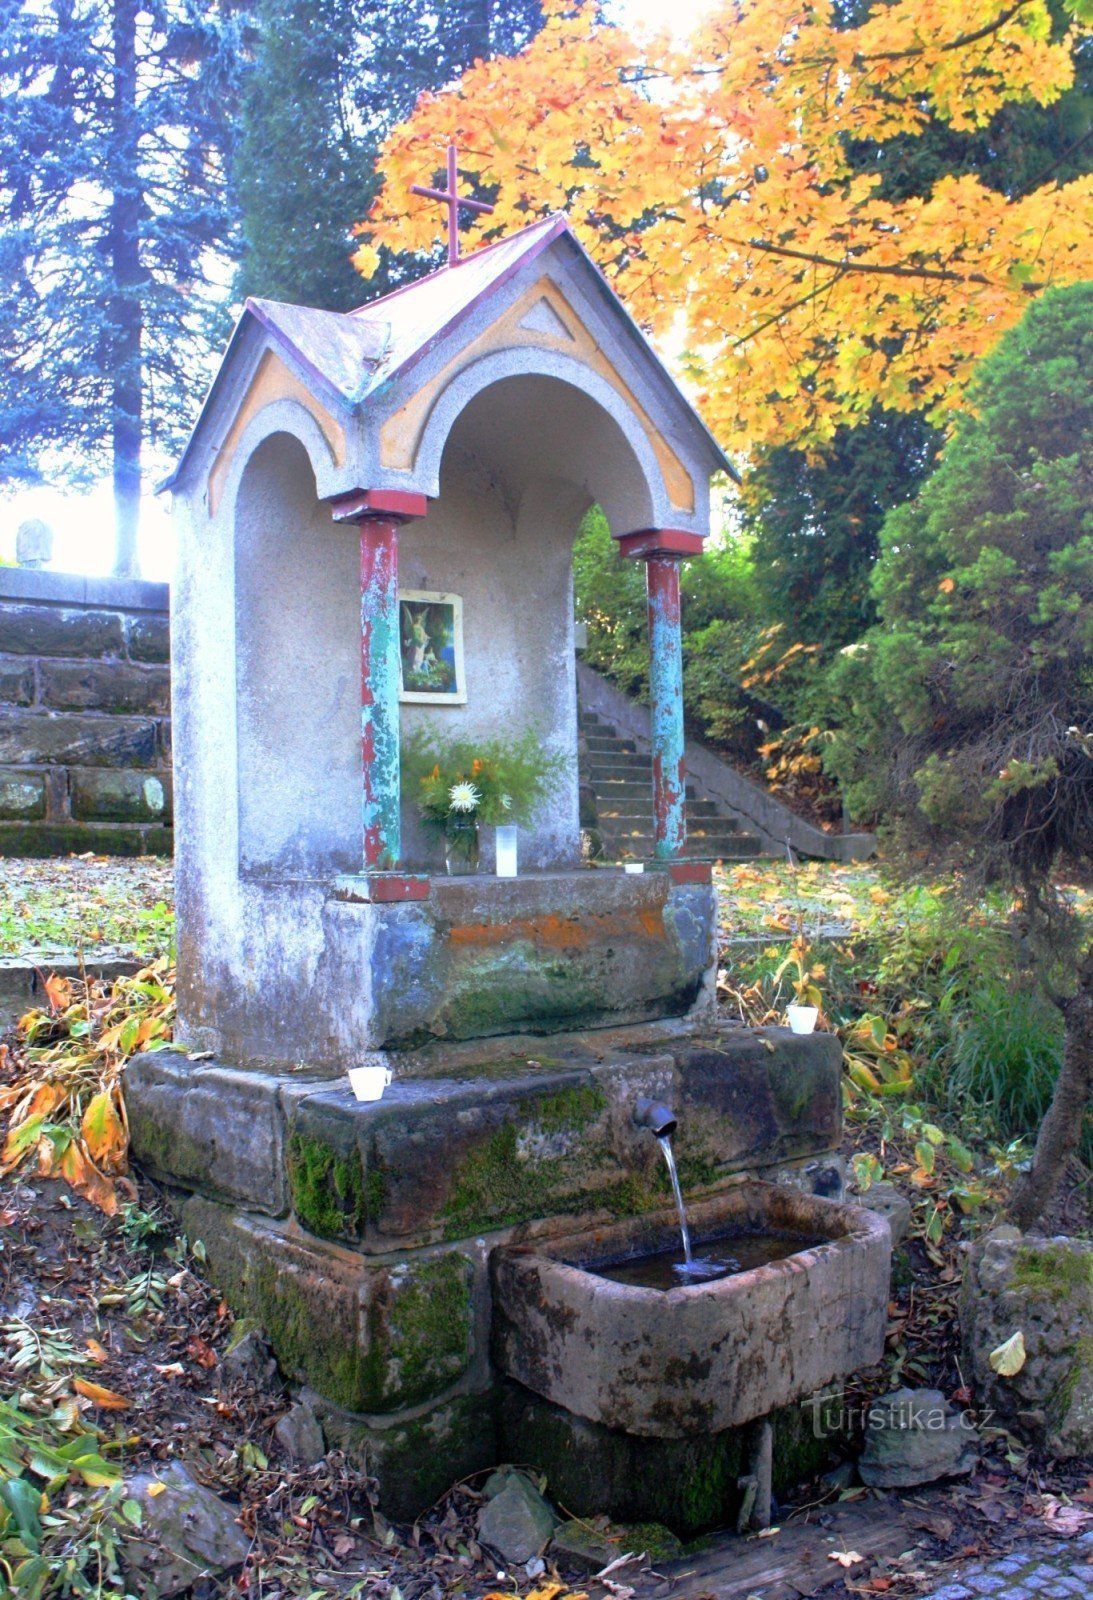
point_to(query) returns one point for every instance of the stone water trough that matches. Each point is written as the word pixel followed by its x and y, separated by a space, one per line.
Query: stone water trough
pixel 701 1358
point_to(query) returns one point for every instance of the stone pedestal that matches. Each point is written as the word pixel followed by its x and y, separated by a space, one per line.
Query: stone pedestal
pixel 359 1234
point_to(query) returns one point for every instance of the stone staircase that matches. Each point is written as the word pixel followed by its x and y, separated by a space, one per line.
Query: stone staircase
pixel 619 781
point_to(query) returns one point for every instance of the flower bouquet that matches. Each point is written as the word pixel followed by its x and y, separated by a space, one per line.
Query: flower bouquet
pixel 466 785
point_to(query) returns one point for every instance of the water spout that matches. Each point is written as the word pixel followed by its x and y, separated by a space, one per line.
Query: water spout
pixel 651 1114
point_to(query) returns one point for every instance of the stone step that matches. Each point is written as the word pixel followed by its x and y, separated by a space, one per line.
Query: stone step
pixel 739 847
pixel 700 813
pixel 592 719
pixel 610 790
pixel 637 839
pixel 609 745
pixel 601 767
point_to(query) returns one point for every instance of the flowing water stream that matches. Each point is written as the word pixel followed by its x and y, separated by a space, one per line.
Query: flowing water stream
pixel 665 1142
pixel 666 1268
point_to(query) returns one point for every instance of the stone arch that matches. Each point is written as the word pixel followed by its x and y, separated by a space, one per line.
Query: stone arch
pixel 278 417
pixel 633 492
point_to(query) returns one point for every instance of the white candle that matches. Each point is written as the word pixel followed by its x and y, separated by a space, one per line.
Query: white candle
pixel 506 852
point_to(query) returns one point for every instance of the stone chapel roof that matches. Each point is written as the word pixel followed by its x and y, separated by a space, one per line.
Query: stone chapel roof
pixel 350 355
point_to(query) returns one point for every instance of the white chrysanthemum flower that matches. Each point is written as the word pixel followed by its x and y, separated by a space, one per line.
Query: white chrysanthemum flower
pixel 463 796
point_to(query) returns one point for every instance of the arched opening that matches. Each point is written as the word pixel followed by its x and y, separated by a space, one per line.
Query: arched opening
pixel 521 464
pixel 297 622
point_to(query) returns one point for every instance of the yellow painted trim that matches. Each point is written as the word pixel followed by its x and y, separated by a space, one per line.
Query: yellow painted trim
pixel 272 381
pixel 401 434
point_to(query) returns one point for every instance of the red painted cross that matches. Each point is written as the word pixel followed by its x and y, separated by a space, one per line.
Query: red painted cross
pixel 451 198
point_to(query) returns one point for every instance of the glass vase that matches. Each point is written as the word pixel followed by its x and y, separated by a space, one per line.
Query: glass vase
pixel 461 847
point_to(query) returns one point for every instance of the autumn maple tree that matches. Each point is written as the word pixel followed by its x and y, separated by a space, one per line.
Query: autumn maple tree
pixel 714 183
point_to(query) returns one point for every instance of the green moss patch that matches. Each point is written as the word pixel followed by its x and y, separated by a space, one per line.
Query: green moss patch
pixel 327 1188
pixel 1053 1271
pixel 547 1156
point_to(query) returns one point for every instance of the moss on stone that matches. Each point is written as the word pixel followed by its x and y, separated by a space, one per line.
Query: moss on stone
pixel 417 1459
pixel 305 1343
pixel 505 1180
pixel 490 995
pixel 1053 1271
pixel 327 1188
pixel 420 1334
pixel 1060 1404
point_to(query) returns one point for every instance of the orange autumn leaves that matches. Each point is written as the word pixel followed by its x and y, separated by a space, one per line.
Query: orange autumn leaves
pixel 65 1109
pixel 711 183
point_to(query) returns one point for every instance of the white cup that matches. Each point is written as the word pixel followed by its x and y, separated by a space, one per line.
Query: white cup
pixel 368 1083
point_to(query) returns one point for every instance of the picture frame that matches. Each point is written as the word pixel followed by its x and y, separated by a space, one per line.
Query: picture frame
pixel 431 668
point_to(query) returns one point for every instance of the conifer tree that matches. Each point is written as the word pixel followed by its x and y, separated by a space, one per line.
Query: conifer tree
pixel 326 85
pixel 115 127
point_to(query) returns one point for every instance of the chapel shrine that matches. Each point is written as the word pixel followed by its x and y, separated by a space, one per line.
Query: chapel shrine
pixel 441 445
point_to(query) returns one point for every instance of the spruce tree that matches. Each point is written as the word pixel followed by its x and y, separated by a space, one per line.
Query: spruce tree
pixel 325 85
pixel 115 128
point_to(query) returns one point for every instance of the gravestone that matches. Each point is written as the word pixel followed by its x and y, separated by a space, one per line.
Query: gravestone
pixel 435 449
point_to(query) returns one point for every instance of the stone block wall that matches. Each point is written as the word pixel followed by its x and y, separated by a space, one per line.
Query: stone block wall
pixel 85 725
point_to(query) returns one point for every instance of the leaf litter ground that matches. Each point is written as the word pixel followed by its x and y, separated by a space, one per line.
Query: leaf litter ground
pixel 112 1340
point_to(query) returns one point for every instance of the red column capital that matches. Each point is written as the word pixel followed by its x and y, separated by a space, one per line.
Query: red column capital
pixel 677 542
pixel 358 505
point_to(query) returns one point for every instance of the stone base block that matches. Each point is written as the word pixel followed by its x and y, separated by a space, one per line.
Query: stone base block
pixel 376 1337
pixel 690 1485
pixel 504 1144
pixel 416 1459
pixel 1043 1289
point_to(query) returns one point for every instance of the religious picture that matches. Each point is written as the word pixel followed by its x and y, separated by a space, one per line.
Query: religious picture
pixel 431 648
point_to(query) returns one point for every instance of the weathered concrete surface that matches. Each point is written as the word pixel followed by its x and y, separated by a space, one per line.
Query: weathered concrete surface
pixel 548 953
pixel 482 957
pixel 200 1125
pixel 1042 1288
pixel 369 1336
pixel 708 1357
pixel 509 1142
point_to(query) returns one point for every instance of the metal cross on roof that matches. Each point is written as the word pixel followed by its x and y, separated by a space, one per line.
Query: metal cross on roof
pixel 451 198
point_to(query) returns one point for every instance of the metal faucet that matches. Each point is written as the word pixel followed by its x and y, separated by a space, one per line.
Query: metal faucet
pixel 649 1113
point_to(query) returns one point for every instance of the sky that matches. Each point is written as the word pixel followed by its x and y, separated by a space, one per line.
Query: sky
pixel 82 520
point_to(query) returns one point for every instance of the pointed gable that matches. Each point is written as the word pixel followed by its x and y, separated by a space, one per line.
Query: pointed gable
pixel 373 379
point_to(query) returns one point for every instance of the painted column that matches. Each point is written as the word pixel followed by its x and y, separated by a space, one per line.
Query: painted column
pixel 381 799
pixel 662 550
pixel 666 701
pixel 378 515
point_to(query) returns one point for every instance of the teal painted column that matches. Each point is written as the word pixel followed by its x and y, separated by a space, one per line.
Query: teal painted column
pixel 379 514
pixel 666 707
pixel 662 550
pixel 381 800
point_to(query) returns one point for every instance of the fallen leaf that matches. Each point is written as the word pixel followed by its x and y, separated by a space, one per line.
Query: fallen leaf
pixel 58 992
pixel 155 1489
pixel 86 1179
pixel 1064 1519
pixel 109 1399
pixel 104 1132
pixel 200 1351
pixel 96 1352
pixel 845 1558
pixel 1010 1357
pixel 170 1369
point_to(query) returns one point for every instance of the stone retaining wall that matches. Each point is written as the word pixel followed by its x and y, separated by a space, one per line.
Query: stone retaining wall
pixel 85 728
